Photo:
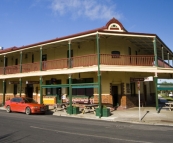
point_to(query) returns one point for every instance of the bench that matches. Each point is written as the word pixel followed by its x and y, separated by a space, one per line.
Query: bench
pixel 89 108
pixel 169 105
pixel 60 106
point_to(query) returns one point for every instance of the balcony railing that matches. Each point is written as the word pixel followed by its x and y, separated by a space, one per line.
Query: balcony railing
pixel 12 69
pixel 133 60
pixel 162 63
pixel 85 61
pixel 54 64
pixel 1 70
pixel 30 67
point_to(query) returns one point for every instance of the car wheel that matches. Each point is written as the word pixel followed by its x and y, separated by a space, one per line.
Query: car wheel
pixel 8 109
pixel 28 111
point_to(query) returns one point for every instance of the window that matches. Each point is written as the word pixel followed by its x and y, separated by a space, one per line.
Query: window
pixel 44 57
pixel 32 58
pixel 6 61
pixel 18 100
pixel 14 100
pixel 82 91
pixel 115 54
pixel 15 89
pixel 16 61
pixel 53 91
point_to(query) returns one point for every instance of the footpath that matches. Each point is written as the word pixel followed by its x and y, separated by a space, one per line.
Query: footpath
pixel 148 115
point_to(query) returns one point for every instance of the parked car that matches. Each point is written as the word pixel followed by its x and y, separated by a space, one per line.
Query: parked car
pixel 25 105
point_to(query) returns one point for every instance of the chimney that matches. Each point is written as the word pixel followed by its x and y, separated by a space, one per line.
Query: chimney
pixel 1 48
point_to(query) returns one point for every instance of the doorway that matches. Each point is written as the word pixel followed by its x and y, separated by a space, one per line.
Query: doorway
pixel 29 90
pixel 145 94
pixel 15 89
pixel 115 95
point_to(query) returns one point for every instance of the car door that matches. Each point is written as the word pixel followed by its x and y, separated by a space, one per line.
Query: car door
pixel 13 104
pixel 17 106
pixel 21 105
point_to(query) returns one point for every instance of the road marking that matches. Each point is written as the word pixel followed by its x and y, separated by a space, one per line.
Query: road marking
pixel 88 135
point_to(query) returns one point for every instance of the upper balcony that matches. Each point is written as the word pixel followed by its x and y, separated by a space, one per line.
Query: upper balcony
pixel 85 61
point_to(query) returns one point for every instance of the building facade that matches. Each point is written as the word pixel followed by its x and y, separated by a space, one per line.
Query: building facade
pixel 99 65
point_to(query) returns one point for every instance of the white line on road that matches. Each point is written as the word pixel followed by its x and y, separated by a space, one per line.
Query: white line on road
pixel 89 135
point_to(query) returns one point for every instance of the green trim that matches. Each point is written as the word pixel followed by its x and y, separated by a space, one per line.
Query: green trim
pixel 163 55
pixel 4 64
pixel 20 80
pixel 70 80
pixel 99 76
pixel 55 86
pixel 87 86
pixel 70 96
pixel 81 85
pixel 165 84
pixel 156 93
pixel 41 91
pixel 165 88
pixel 155 52
pixel 168 58
pixel 69 56
pixel 3 100
pixel 40 58
pixel 21 62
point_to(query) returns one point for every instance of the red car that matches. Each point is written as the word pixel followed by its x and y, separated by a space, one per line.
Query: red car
pixel 26 105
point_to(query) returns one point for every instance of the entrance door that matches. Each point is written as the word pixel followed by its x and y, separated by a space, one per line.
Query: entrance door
pixel 145 94
pixel 115 95
pixel 29 90
pixel 15 89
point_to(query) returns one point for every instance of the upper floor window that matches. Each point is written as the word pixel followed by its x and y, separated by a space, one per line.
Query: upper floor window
pixel 16 61
pixel 32 58
pixel 44 57
pixel 115 54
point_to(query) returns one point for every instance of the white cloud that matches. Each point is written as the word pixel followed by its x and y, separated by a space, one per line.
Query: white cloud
pixel 92 9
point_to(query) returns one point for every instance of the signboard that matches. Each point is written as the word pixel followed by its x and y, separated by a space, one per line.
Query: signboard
pixel 136 79
pixel 150 78
pixel 13 82
pixel 32 82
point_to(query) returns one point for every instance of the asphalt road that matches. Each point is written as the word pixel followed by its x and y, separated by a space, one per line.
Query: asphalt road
pixel 21 128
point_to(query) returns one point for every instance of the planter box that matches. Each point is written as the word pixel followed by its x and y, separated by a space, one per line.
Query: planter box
pixel 75 110
pixel 97 112
pixel 106 112
pixel 68 110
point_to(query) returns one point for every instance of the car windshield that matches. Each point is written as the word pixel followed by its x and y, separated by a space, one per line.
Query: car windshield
pixel 29 100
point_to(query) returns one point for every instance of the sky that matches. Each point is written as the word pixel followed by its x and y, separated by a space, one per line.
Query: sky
pixel 24 22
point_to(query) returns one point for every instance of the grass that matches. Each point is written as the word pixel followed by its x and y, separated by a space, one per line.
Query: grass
pixel 167 98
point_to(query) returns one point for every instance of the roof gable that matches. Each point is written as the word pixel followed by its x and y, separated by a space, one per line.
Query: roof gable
pixel 115 25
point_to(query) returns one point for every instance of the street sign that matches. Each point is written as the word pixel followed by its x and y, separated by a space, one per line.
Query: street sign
pixel 32 82
pixel 150 78
pixel 13 82
pixel 136 79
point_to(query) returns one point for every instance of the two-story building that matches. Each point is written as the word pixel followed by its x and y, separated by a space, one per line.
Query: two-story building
pixel 98 65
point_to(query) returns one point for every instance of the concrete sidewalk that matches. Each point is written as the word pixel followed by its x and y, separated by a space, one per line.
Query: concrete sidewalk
pixel 149 115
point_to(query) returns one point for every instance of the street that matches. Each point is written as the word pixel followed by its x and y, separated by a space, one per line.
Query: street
pixel 21 128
